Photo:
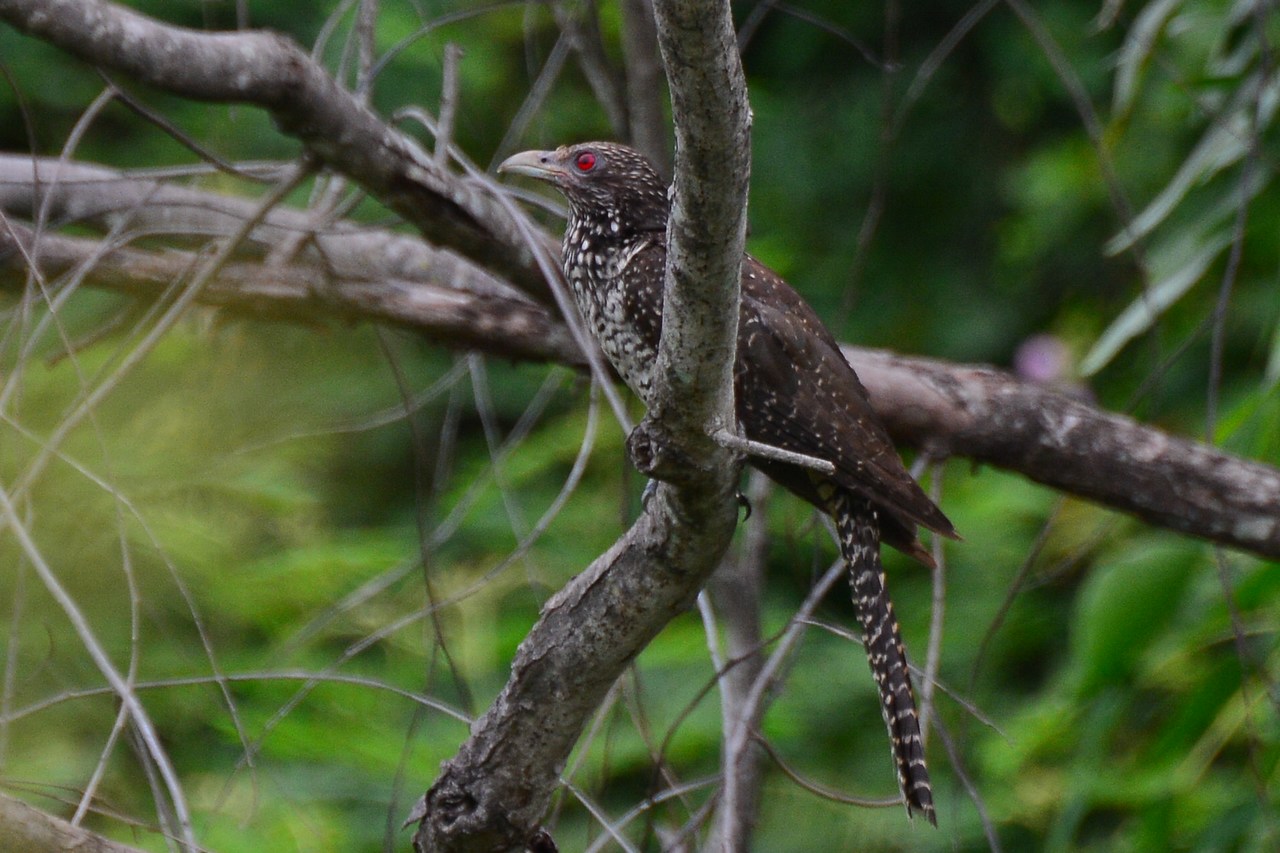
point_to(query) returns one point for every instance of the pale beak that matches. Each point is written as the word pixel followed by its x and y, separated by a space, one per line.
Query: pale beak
pixel 543 165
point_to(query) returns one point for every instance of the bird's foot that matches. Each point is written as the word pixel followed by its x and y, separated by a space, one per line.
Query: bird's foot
pixel 650 489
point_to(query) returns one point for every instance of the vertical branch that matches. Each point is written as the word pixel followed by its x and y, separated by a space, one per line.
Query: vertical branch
pixel 577 20
pixel 937 610
pixel 449 91
pixel 647 121
pixel 491 795
pixel 736 588
pixel 707 230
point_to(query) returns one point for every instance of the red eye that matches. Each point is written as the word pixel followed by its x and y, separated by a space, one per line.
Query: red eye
pixel 586 161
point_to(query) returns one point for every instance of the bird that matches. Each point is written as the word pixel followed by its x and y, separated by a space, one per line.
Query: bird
pixel 793 389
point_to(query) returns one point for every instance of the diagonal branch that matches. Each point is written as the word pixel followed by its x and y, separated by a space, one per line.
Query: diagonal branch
pixel 272 72
pixel 988 416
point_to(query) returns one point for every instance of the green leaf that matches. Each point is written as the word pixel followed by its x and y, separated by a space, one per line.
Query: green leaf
pixel 1224 144
pixel 1136 52
pixel 1175 269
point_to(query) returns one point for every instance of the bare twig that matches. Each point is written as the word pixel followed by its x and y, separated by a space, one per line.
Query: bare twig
pixel 578 20
pixel 450 91
pixel 737 589
pixel 146 730
pixel 937 610
pixel 733 441
pixel 646 120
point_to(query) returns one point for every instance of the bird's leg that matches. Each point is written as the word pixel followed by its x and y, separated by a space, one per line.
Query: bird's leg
pixel 650 489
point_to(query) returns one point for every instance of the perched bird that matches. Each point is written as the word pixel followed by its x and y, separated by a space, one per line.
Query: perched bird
pixel 793 389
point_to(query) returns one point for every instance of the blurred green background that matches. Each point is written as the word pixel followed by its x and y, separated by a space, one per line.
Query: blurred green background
pixel 246 502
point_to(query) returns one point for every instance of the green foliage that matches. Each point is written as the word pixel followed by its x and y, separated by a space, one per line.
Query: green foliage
pixel 244 503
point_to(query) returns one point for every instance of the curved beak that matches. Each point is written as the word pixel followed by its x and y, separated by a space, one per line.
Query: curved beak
pixel 543 165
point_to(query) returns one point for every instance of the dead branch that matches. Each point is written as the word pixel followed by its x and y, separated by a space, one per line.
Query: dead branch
pixel 301 292
pixel 269 70
pixel 73 193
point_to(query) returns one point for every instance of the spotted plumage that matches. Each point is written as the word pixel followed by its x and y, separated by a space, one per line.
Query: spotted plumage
pixel 793 389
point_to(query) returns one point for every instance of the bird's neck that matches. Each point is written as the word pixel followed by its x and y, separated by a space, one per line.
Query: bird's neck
pixel 598 242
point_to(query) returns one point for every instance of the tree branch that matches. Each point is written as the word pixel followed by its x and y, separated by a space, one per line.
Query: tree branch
pixel 302 292
pixel 270 71
pixel 645 96
pixel 64 193
pixel 986 415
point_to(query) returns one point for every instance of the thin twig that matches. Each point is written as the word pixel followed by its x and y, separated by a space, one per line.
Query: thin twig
pixel 733 441
pixel 958 767
pixel 937 611
pixel 450 88
pixel 821 790
pixel 119 684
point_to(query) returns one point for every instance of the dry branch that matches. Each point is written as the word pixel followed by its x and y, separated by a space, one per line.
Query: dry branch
pixel 300 292
pixel 272 72
pixel 63 193
pixel 986 415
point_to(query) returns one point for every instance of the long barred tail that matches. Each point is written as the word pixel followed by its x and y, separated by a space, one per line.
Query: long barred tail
pixel 858 526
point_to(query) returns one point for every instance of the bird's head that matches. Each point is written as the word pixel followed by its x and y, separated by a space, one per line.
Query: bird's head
pixel 601 180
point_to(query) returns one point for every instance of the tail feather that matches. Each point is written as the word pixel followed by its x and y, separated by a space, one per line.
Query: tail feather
pixel 858 526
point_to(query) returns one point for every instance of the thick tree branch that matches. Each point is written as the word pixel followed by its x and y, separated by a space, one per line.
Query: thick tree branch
pixel 63 193
pixel 27 829
pixel 270 71
pixel 491 795
pixel 707 231
pixel 501 325
pixel 1062 442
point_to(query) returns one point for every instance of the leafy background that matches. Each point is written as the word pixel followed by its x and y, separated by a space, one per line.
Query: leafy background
pixel 1074 180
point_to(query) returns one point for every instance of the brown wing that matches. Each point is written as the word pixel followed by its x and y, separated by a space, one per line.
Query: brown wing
pixel 796 391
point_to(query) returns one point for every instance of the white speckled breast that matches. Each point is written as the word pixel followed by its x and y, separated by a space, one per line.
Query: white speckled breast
pixel 597 264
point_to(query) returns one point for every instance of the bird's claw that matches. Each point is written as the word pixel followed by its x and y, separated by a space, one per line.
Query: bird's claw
pixel 650 489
